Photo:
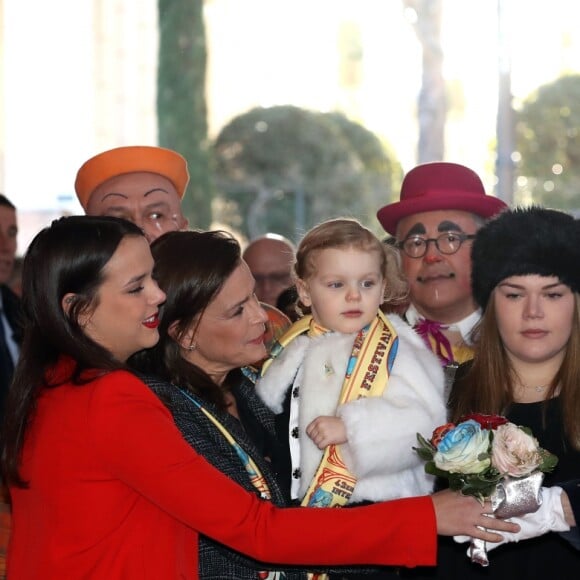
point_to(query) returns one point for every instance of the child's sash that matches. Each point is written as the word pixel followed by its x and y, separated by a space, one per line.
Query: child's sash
pixel 367 375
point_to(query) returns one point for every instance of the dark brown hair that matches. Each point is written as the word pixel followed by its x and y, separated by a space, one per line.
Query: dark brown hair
pixel 191 267
pixel 67 257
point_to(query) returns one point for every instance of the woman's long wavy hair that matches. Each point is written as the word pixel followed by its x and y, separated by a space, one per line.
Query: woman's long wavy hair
pixel 67 257
pixel 488 386
pixel 191 267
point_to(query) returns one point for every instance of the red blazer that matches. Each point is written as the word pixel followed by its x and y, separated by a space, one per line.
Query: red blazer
pixel 115 492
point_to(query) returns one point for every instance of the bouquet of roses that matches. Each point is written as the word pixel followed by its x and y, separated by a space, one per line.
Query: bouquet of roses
pixel 490 458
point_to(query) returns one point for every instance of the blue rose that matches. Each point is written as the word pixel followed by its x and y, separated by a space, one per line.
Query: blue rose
pixel 464 449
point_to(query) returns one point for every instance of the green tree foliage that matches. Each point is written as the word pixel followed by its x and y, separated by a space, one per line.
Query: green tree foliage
pixel 181 106
pixel 283 169
pixel 548 141
pixel 379 161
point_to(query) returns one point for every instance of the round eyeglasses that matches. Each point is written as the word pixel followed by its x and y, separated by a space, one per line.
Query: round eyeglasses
pixel 447 243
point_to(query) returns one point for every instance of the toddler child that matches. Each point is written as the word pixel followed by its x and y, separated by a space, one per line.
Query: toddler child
pixel 351 386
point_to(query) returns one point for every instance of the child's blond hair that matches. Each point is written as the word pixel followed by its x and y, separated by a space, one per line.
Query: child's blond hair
pixel 349 233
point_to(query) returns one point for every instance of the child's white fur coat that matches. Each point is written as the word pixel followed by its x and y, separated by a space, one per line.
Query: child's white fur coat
pixel 381 431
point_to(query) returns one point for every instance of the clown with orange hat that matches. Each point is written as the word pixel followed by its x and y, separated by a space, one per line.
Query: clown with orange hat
pixel 142 184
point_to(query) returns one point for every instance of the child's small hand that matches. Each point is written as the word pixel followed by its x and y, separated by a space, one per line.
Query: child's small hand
pixel 325 431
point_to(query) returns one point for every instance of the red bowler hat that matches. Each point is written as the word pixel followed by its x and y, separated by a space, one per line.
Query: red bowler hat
pixel 436 186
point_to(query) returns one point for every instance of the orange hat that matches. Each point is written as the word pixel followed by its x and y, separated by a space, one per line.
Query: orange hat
pixel 134 159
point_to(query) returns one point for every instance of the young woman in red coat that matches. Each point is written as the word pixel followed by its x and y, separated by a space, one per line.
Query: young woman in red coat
pixel 104 486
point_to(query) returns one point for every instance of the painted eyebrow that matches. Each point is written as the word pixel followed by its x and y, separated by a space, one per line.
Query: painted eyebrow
pixel 154 190
pixel 449 226
pixel 417 229
pixel 124 196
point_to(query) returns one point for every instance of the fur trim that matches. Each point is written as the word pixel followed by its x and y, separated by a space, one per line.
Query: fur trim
pixel 278 379
pixel 319 397
pixel 524 241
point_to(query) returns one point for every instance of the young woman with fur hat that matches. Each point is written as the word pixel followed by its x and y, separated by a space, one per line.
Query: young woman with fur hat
pixel 526 279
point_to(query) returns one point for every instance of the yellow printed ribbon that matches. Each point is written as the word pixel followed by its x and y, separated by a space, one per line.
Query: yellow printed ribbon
pixel 254 473
pixel 367 375
pixel 256 478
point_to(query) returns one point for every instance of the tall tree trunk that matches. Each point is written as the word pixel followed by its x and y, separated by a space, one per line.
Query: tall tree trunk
pixel 505 169
pixel 432 98
pixel 181 105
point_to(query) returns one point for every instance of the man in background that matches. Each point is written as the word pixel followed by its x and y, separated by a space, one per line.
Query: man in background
pixel 10 338
pixel 270 258
pixel 144 185
pixel 15 281
pixel 10 321
pixel 441 207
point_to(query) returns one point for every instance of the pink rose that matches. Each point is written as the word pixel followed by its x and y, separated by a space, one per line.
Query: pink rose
pixel 514 452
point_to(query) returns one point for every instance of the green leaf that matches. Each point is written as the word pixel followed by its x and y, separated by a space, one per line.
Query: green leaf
pixel 424 454
pixel 432 469
pixel 425 443
pixel 549 461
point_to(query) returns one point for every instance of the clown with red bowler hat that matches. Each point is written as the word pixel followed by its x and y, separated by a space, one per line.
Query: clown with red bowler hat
pixel 441 207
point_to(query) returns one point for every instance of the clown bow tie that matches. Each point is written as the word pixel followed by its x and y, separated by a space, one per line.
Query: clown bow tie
pixel 430 331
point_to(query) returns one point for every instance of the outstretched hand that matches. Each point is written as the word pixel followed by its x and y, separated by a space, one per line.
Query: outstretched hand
pixel 325 431
pixel 455 512
pixel 549 517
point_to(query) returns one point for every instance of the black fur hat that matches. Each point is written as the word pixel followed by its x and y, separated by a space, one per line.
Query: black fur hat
pixel 524 241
